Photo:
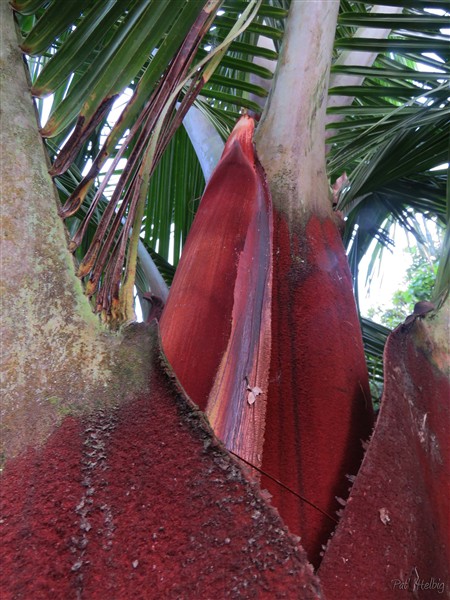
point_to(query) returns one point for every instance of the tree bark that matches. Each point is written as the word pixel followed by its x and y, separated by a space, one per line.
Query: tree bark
pixel 56 357
pixel 290 139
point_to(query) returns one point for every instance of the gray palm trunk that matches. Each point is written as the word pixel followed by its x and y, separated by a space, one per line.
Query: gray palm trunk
pixel 56 356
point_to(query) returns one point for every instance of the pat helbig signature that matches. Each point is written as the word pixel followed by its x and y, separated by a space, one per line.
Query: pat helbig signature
pixel 415 583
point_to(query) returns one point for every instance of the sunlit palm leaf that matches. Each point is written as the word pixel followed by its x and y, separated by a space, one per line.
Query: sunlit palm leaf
pixel 174 192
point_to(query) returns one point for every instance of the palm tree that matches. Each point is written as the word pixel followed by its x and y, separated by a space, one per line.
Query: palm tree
pixel 295 300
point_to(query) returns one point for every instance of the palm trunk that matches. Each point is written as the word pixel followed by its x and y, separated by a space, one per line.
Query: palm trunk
pixel 319 404
pixel 56 357
pixel 205 139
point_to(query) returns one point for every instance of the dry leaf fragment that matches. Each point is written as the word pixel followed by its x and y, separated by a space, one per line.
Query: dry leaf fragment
pixel 253 392
pixel 384 516
pixel 341 183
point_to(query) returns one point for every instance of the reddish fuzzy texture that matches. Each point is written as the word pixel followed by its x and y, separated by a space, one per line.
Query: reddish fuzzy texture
pixel 319 404
pixel 197 320
pixel 405 481
pixel 142 502
pixel 236 420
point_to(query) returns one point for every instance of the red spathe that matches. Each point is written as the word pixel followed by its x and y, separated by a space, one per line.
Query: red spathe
pixel 394 537
pixel 230 235
pixel 319 407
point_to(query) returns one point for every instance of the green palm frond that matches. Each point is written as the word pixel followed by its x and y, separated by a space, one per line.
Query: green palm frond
pixel 395 131
pixel 442 286
pixel 374 339
pixel 389 118
pixel 111 45
pixel 173 196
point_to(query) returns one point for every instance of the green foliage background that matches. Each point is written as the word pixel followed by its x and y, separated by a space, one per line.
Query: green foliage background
pixel 418 286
